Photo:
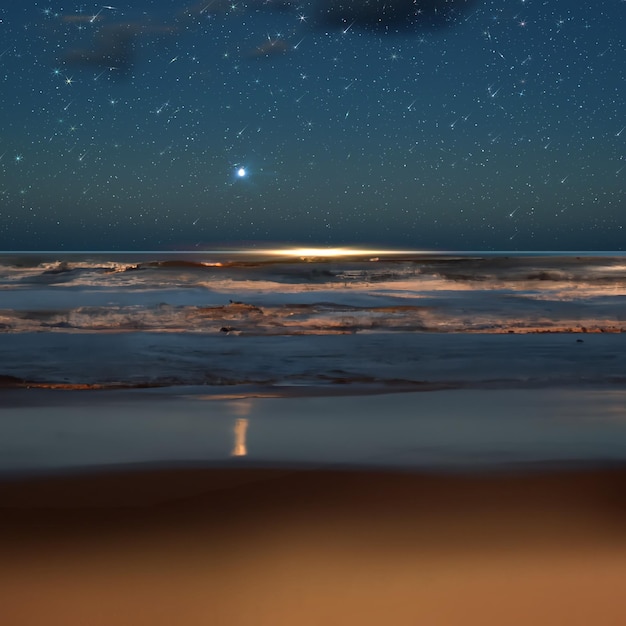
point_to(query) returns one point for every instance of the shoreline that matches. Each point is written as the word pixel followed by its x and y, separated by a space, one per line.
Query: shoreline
pixel 131 485
pixel 451 429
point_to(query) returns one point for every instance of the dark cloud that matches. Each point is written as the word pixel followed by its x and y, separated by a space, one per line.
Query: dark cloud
pixel 114 45
pixel 391 15
pixel 271 47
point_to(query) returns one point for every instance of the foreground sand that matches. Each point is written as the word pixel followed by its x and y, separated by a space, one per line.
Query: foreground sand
pixel 251 546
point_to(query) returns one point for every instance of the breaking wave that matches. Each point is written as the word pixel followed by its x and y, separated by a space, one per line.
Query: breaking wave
pixel 144 319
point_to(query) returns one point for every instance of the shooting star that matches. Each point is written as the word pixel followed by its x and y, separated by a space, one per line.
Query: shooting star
pixel 345 30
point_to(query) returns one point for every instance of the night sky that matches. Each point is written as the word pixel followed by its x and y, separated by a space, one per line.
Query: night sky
pixel 460 124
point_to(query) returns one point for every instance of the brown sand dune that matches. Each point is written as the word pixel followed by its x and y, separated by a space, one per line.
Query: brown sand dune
pixel 245 546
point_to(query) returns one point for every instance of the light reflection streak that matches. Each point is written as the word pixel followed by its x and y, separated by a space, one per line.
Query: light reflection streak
pixel 241 408
pixel 240 431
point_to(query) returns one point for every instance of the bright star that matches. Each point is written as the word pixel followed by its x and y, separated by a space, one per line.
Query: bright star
pixel 241 172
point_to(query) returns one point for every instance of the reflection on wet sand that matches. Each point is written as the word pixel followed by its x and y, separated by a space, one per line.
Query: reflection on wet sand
pixel 241 428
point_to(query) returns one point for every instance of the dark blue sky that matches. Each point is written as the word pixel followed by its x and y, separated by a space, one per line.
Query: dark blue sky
pixel 457 125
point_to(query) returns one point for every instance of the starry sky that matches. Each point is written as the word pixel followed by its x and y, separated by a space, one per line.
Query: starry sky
pixel 436 124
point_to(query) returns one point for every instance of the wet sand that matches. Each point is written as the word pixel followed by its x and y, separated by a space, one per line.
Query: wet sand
pixel 274 546
pixel 57 430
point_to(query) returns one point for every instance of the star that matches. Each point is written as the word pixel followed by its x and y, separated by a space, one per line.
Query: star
pixel 241 172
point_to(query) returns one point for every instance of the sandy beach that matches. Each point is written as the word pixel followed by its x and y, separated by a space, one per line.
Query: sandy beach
pixel 237 506
pixel 407 442
pixel 263 546
pixel 199 506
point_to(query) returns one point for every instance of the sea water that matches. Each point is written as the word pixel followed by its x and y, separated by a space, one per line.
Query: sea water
pixel 305 317
pixel 412 360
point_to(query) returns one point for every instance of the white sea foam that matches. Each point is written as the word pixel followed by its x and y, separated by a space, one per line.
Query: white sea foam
pixel 198 311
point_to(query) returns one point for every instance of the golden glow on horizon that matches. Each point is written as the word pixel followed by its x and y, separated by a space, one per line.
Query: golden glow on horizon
pixel 333 252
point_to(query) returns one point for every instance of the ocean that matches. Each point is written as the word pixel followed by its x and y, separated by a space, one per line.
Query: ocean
pixel 156 356
pixel 275 317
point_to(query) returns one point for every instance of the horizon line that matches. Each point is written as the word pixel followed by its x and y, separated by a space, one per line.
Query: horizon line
pixel 308 251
